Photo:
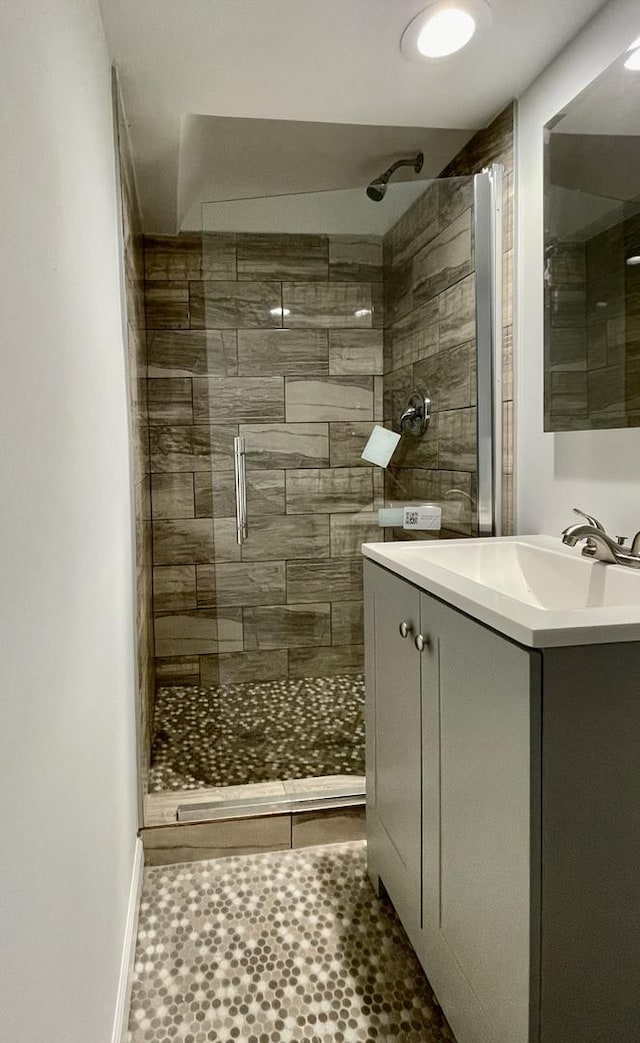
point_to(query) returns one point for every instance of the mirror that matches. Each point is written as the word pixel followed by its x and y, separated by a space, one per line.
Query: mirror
pixel 592 254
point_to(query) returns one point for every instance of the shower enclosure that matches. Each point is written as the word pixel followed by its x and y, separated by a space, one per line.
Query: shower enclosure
pixel 277 339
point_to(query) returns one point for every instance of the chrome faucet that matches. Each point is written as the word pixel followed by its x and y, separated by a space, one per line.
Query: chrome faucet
pixel 601 546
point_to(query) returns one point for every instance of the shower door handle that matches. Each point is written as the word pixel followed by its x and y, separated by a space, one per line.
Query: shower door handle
pixel 241 488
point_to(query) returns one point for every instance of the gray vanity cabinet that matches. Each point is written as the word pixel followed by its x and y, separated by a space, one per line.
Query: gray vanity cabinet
pixel 448 758
pixel 503 787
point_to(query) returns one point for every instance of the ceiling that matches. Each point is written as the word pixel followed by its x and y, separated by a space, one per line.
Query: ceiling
pixel 324 61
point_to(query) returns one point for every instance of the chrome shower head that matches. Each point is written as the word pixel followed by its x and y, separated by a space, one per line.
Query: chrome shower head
pixel 377 188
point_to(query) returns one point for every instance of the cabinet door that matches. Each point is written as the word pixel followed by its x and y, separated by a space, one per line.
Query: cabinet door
pixel 394 736
pixel 476 884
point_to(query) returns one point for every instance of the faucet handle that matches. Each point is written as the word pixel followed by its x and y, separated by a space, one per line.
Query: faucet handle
pixel 589 517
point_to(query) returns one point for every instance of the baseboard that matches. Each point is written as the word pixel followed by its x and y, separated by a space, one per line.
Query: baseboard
pixel 121 1019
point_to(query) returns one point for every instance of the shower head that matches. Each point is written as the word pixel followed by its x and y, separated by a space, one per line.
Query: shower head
pixel 377 188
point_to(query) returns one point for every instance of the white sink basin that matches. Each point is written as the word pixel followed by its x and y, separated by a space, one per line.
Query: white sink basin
pixel 531 588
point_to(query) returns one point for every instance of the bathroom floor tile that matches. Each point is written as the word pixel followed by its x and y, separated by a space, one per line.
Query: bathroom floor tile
pixel 285 947
pixel 255 732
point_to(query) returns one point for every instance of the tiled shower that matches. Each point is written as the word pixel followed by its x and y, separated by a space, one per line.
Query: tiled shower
pixel 299 344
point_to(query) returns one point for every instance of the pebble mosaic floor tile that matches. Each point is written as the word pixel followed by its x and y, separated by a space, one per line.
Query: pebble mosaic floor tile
pixel 257 732
pixel 289 947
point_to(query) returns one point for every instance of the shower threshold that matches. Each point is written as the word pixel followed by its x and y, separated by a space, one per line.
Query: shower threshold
pixel 289 804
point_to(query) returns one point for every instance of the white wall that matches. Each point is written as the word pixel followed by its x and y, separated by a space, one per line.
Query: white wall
pixel 68 815
pixel 596 470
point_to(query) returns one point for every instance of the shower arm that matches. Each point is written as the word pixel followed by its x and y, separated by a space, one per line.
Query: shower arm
pixel 404 163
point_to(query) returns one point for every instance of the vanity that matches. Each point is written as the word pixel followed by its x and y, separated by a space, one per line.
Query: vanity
pixel 503 781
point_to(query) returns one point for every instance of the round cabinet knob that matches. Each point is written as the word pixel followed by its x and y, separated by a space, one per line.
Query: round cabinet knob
pixel 405 629
pixel 421 642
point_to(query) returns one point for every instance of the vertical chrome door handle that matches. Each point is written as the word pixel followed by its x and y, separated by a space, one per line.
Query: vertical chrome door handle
pixel 241 488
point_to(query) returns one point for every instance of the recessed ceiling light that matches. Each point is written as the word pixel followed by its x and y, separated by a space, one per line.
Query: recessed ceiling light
pixel 633 61
pixel 636 43
pixel 443 29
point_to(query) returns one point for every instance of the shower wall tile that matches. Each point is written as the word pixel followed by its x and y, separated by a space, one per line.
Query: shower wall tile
pixel 350 531
pixel 183 542
pixel 333 398
pixel 285 352
pixel 444 261
pixel 237 667
pixel 287 626
pixel 447 376
pixel 193 353
pixel 318 662
pixel 283 257
pixel 180 449
pixel 286 445
pixel 167 305
pixel 347 622
pixel 457 318
pixel 172 495
pixel 237 399
pixel 417 226
pixel 329 491
pixel 225 543
pixel 199 632
pixel 415 336
pixel 174 587
pixel 346 442
pixel 235 305
pixel 190 256
pixel 355 258
pixel 332 579
pixel 170 401
pixel 258 583
pixel 284 538
pixel 223 364
pixel 327 305
pixel 457 440
pixel 178 670
pixel 355 351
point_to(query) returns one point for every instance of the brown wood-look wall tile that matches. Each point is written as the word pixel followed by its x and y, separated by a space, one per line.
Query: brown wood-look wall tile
pixel 322 662
pixel 237 667
pixel 350 531
pixel 327 305
pixel 172 495
pixel 287 626
pixel 170 257
pixel 330 579
pixel 252 583
pixel 457 440
pixel 174 587
pixel 167 305
pixel 444 261
pixel 170 402
pixel 283 352
pixel 192 353
pixel 180 448
pixel 235 305
pixel 331 398
pixel 218 255
pixel 457 314
pixel 201 631
pixel 183 542
pixel 283 257
pixel 347 441
pixel 447 377
pixel 355 258
pixel 178 670
pixel 355 351
pixel 417 226
pixel 347 623
pixel 416 335
pixel 329 491
pixel 225 543
pixel 285 538
pixel 286 445
pixel 238 399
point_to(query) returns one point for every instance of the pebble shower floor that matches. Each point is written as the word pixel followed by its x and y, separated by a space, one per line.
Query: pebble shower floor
pixel 257 732
pixel 289 947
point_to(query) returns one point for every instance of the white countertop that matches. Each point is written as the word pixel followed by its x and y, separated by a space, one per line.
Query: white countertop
pixel 532 589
